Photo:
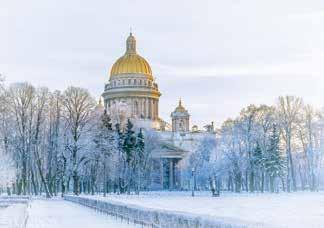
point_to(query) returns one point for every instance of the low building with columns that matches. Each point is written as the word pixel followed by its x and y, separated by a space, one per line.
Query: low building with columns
pixel 132 84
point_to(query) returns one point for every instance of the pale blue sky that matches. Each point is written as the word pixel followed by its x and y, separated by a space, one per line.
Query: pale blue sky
pixel 219 56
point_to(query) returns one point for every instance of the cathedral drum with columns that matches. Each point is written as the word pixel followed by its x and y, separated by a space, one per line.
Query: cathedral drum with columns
pixel 131 83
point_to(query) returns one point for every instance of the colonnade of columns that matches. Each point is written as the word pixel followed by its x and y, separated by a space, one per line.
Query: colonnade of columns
pixel 142 107
pixel 169 173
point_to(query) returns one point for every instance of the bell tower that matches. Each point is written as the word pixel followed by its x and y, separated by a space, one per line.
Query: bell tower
pixel 180 119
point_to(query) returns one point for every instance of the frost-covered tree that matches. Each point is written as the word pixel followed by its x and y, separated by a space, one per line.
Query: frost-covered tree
pixel 20 98
pixel 235 159
pixel 56 141
pixel 247 126
pixel 55 172
pixel 103 159
pixel 202 162
pixel 78 106
pixel 309 133
pixel 288 111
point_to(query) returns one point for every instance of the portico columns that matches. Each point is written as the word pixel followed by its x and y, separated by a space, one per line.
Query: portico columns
pixel 171 174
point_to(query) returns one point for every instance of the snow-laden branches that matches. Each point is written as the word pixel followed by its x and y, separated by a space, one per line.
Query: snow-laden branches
pixel 62 141
pixel 268 148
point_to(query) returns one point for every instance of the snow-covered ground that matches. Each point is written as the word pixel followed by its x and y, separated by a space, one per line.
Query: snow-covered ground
pixel 58 213
pixel 296 210
pixel 13 215
pixel 302 209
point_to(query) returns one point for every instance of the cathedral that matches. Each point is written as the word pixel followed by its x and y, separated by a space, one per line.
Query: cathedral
pixel 132 84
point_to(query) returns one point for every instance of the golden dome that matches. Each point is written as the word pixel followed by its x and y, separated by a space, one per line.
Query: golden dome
pixel 180 108
pixel 131 62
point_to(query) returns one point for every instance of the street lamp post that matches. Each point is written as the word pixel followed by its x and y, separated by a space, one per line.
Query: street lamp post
pixel 193 182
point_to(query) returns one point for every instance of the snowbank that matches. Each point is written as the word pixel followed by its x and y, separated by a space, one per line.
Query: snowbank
pixel 13 213
pixel 157 217
pixel 58 213
pixel 14 199
pixel 14 216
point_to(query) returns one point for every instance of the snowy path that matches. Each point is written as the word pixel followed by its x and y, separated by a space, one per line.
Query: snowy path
pixel 63 214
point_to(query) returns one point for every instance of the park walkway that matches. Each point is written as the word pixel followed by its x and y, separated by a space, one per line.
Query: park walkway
pixel 58 213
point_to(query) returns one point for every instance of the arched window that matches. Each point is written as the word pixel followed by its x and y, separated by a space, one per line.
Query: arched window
pixel 181 125
pixel 129 81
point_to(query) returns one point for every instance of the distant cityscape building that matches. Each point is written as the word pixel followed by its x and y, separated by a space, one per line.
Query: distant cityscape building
pixel 132 84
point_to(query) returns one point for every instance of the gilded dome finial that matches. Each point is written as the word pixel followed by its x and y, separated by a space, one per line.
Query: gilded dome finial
pixel 131 44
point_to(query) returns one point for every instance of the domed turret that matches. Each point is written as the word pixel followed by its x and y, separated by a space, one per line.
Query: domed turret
pixel 180 119
pixel 180 108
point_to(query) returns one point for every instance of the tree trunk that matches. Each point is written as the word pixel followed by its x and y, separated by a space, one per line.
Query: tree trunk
pixel 75 178
pixel 105 179
pixel 34 182
pixel 292 168
pixel 40 171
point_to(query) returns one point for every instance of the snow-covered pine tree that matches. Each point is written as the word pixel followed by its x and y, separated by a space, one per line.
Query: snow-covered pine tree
pixel 274 163
pixel 139 159
pixel 128 150
pixel 106 121
pixel 129 142
pixel 258 156
pixel 258 159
